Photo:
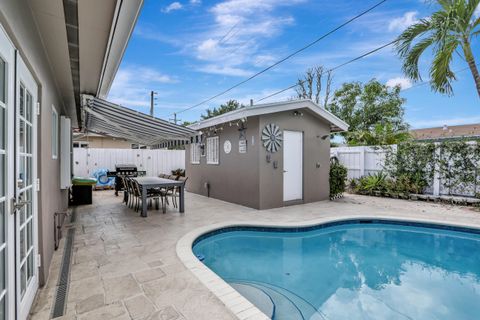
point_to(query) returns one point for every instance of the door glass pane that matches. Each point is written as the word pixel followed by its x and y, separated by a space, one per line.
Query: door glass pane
pixel 28 207
pixel 29 235
pixel 3 124
pixel 28 139
pixel 22 244
pixel 2 308
pixel 2 223
pixel 21 137
pixel 3 82
pixel 2 175
pixel 29 107
pixel 2 271
pixel 21 173
pixel 28 171
pixel 22 100
pixel 23 279
pixel 30 266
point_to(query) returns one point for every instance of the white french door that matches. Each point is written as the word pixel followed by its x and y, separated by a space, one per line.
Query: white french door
pixel 25 198
pixel 7 247
pixel 18 194
pixel 292 165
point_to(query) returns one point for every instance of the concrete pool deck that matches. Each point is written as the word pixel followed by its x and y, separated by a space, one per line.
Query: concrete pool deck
pixel 127 267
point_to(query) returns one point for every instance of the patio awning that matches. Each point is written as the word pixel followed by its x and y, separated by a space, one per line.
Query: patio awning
pixel 105 117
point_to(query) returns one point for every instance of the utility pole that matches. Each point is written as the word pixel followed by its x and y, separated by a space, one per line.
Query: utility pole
pixel 152 101
pixel 175 120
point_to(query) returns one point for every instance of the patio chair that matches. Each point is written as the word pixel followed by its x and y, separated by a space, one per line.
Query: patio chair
pixel 151 195
pixel 176 191
pixel 130 192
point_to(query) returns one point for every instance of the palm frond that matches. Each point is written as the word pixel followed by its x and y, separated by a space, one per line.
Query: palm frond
pixel 440 73
pixel 404 41
pixel 410 61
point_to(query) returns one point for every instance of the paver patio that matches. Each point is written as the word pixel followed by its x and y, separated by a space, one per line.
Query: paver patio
pixel 126 267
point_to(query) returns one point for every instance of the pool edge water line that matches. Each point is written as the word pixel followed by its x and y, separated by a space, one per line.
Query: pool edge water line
pixel 239 305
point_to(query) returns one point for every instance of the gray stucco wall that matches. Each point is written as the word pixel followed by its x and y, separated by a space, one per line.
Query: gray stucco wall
pixel 16 17
pixel 248 179
pixel 235 179
pixel 315 180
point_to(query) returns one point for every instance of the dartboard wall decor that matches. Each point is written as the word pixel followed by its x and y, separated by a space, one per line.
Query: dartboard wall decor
pixel 272 137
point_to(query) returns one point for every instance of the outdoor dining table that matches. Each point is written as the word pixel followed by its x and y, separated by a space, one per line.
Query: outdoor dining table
pixel 146 183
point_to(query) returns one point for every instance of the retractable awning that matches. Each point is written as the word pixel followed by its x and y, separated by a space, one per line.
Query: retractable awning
pixel 104 117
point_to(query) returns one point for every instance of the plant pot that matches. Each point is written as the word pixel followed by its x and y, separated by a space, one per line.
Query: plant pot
pixel 377 193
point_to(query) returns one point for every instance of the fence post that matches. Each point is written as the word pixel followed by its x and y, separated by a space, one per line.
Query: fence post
pixel 362 161
pixel 436 173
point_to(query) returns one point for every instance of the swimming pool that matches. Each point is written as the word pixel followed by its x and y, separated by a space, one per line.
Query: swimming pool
pixel 359 269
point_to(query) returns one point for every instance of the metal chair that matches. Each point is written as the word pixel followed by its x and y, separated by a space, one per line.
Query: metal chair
pixel 176 191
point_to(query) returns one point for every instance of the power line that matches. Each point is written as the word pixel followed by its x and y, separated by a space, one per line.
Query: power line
pixel 287 57
pixel 332 69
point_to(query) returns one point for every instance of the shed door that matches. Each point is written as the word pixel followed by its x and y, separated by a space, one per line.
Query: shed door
pixel 292 165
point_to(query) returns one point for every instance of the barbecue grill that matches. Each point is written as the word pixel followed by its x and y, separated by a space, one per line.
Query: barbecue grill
pixel 124 170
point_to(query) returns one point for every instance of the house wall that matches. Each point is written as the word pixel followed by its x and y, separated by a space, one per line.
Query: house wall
pixel 106 143
pixel 17 16
pixel 315 150
pixel 235 178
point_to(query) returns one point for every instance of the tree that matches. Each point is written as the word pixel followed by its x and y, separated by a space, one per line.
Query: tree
pixel 453 26
pixel 187 123
pixel 224 108
pixel 310 87
pixel 370 109
pixel 381 135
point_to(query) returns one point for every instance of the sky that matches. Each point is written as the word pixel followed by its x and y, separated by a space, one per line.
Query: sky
pixel 190 50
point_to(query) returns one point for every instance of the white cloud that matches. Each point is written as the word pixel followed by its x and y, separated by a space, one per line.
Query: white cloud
pixel 225 70
pixel 195 2
pixel 233 42
pixel 476 14
pixel 172 7
pixel 404 83
pixel 132 86
pixel 400 24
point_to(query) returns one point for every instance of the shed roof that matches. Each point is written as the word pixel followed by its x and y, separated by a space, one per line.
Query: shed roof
pixel 336 124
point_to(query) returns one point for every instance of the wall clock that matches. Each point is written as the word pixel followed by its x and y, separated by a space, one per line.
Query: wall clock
pixel 272 137
pixel 227 146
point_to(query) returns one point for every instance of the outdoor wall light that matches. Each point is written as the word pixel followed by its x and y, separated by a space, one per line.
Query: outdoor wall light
pixel 325 137
pixel 297 113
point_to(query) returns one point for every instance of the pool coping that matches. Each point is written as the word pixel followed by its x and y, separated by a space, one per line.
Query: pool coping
pixel 232 299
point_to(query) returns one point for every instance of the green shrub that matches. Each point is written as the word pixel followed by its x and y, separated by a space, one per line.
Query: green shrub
pixel 338 177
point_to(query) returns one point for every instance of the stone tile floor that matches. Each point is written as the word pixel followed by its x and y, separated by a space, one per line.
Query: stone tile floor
pixel 126 267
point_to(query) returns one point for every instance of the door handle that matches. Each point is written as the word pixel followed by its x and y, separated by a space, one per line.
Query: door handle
pixel 285 171
pixel 19 205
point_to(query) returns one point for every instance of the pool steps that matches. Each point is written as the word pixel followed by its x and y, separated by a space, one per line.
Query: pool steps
pixel 284 302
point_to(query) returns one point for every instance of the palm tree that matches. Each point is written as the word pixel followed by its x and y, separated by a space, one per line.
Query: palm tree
pixel 452 27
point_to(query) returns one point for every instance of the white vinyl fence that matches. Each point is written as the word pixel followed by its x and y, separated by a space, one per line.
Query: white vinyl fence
pixel 154 162
pixel 364 161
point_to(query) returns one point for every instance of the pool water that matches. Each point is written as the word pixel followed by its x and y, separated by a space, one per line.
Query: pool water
pixel 351 271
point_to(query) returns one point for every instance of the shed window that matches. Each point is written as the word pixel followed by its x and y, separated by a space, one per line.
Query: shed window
pixel 212 150
pixel 195 153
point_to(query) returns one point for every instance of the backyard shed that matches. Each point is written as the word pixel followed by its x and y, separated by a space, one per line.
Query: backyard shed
pixel 264 156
